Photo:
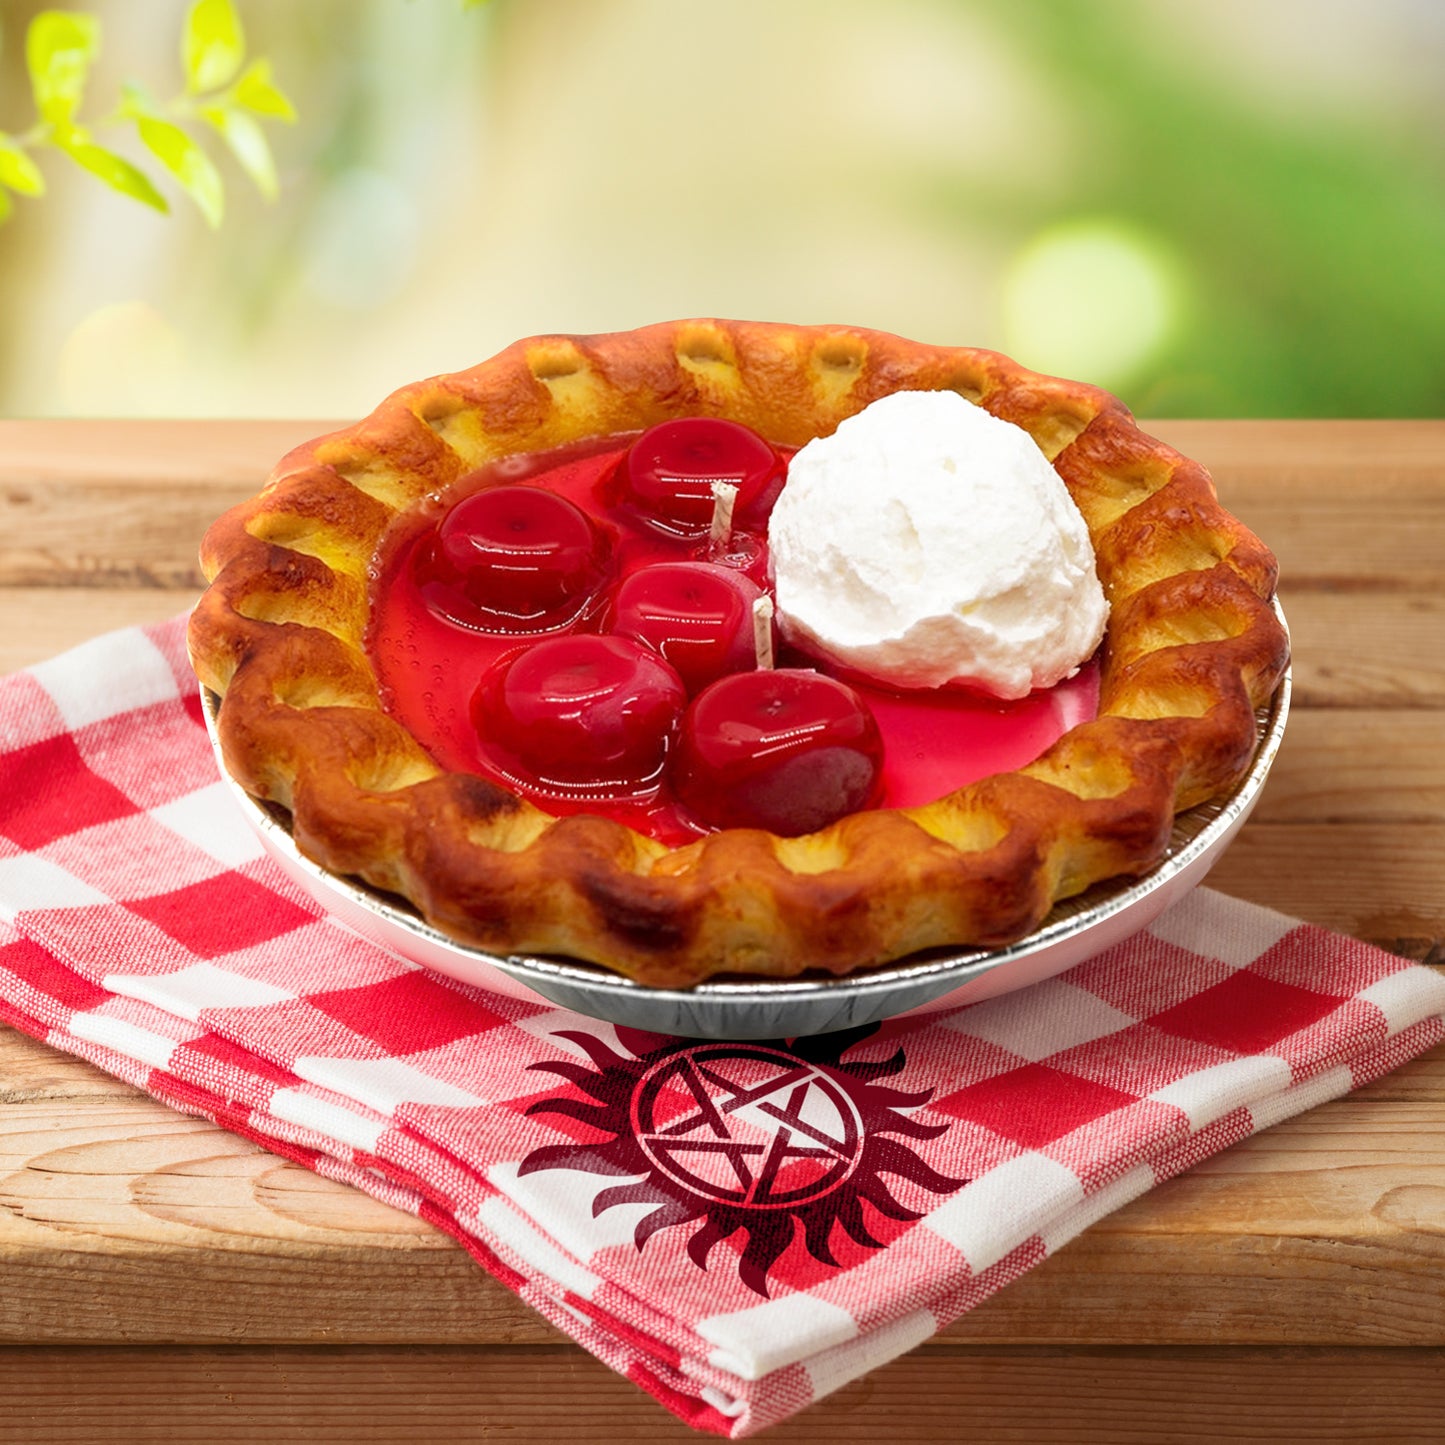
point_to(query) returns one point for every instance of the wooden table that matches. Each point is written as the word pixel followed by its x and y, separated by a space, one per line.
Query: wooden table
pixel 161 1278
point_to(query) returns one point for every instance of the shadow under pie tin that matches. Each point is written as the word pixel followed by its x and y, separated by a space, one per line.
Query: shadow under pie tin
pixel 753 1008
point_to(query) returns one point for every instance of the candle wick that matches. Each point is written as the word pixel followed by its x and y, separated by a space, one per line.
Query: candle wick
pixel 724 499
pixel 763 632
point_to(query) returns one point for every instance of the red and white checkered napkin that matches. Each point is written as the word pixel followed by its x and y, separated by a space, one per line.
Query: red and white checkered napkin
pixel 739 1228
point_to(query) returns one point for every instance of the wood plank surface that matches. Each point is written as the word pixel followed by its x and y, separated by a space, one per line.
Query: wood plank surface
pixel 1357 765
pixel 1360 505
pixel 939 1393
pixel 237 1292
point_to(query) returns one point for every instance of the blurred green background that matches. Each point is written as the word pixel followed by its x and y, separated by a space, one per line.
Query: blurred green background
pixel 1233 209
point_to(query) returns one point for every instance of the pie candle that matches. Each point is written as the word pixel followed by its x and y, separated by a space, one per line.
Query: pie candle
pixel 374 753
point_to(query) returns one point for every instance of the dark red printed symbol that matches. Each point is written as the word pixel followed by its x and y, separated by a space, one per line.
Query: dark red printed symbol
pixel 754 1137
pixel 751 1126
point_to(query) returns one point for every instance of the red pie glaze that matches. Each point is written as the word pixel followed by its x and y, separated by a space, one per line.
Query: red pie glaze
pixel 431 653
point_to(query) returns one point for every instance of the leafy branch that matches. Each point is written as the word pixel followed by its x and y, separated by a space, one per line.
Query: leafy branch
pixel 219 95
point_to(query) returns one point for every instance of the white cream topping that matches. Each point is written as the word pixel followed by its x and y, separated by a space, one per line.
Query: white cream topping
pixel 926 542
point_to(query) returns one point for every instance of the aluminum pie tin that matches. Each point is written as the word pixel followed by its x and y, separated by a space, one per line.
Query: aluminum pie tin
pixel 754 1008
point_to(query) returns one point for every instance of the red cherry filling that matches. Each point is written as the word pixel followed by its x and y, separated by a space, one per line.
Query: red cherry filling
pixel 429 644
pixel 787 750
pixel 698 615
pixel 580 713
pixel 669 471
pixel 512 559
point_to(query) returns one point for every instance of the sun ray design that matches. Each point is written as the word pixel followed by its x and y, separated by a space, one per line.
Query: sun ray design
pixel 769 1138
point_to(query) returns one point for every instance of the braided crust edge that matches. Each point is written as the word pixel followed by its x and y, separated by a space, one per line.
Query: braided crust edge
pixel 1192 649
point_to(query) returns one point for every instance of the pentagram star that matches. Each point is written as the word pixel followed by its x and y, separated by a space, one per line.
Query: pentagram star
pixel 707 1131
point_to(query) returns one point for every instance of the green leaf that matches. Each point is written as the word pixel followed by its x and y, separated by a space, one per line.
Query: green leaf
pixel 136 100
pixel 247 143
pixel 213 46
pixel 114 170
pixel 18 171
pixel 59 48
pixel 259 93
pixel 187 162
pixel 6 205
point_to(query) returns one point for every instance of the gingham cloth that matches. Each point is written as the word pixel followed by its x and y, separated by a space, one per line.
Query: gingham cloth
pixel 739 1229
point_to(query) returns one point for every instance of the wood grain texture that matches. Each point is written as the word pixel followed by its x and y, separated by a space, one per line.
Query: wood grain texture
pixel 1365 765
pixel 39 623
pixel 182 455
pixel 538 1396
pixel 1389 654
pixel 1360 505
pixel 237 1293
pixel 1378 881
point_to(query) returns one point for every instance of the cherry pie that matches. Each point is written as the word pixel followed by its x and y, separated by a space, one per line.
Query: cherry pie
pixel 491 650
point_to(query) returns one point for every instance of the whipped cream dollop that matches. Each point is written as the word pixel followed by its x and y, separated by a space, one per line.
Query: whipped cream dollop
pixel 926 542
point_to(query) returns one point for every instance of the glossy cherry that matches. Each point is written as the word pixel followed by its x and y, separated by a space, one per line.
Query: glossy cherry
pixel 787 750
pixel 669 470
pixel 698 615
pixel 515 558
pixel 580 714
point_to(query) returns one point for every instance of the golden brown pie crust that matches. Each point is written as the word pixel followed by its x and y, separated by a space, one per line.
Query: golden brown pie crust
pixel 1193 648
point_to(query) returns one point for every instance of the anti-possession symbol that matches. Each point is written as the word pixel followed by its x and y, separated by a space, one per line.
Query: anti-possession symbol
pixel 765 1145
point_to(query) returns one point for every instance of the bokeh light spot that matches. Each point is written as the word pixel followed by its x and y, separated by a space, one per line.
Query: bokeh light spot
pixel 124 359
pixel 1094 299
